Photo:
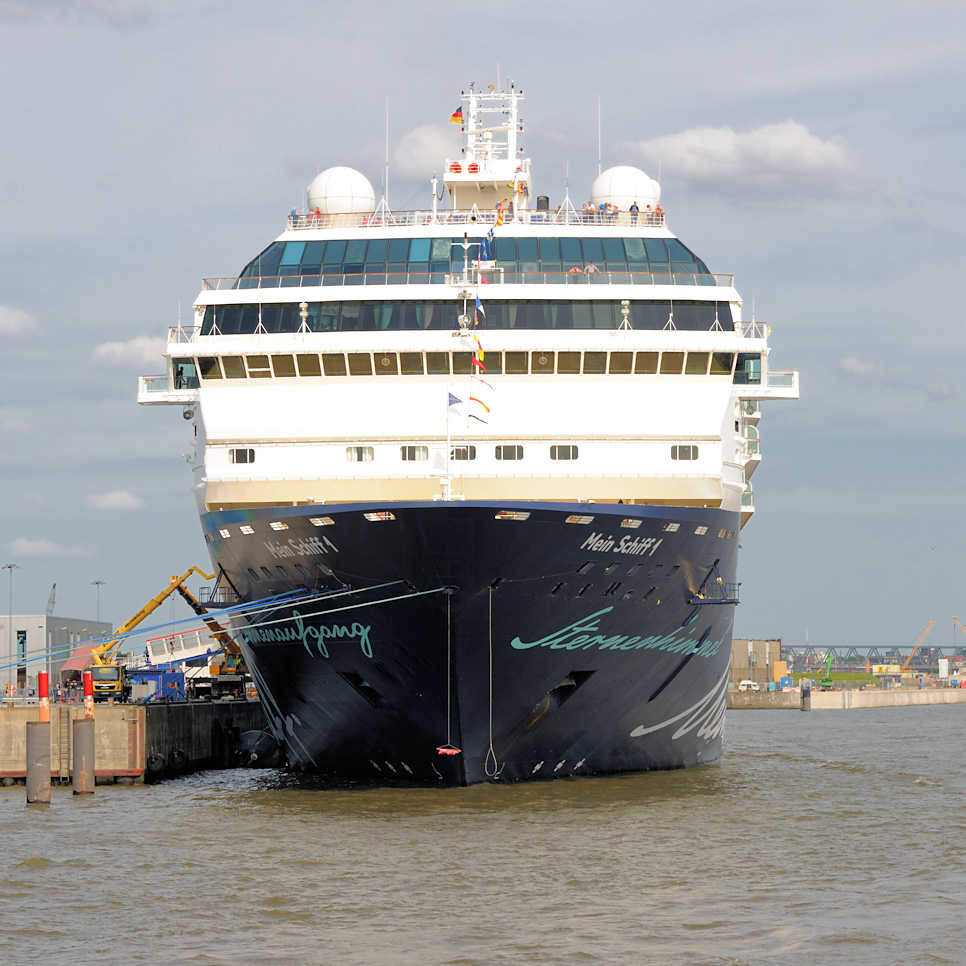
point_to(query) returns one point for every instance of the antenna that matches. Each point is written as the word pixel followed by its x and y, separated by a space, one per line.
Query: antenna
pixel 499 80
pixel 386 184
pixel 599 148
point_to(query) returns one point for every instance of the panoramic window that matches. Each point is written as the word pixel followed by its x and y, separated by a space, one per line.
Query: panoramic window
pixel 417 315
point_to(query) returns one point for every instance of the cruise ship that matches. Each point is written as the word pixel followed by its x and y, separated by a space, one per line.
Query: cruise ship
pixel 479 470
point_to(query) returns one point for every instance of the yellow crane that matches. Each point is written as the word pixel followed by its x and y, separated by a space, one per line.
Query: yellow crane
pixel 915 650
pixel 109 677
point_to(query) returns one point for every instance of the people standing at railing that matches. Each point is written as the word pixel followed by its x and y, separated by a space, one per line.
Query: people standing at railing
pixel 576 270
pixel 591 269
pixel 635 211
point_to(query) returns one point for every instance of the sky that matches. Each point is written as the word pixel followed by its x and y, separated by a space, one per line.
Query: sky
pixel 813 149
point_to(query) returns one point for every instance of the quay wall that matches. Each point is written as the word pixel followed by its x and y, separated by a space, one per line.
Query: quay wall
pixel 132 742
pixel 893 698
pixel 844 700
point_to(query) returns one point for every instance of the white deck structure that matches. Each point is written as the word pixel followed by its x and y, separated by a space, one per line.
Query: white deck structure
pixel 618 412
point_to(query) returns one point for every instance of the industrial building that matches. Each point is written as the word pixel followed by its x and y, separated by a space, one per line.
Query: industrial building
pixel 38 642
pixel 757 660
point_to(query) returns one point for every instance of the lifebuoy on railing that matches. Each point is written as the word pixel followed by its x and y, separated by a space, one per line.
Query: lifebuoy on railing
pixel 473 168
pixel 456 168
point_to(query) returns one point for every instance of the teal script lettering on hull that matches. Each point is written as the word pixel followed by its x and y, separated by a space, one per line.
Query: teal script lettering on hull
pixel 577 637
pixel 295 632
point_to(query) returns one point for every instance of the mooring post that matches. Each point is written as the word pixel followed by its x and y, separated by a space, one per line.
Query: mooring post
pixel 38 763
pixel 84 742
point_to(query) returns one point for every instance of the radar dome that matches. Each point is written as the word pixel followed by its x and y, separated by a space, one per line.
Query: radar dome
pixel 622 186
pixel 341 191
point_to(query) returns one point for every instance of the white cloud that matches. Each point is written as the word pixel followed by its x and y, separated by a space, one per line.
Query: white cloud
pixel 115 500
pixel 15 321
pixel 41 547
pixel 139 351
pixel 13 422
pixel 771 154
pixel 858 367
pixel 420 153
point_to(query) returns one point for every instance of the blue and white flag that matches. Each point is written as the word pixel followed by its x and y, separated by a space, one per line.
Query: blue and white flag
pixel 454 400
pixel 479 307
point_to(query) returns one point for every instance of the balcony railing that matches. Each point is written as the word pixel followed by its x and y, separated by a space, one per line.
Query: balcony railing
pixel 781 378
pixel 491 278
pixel 392 219
pixel 752 330
pixel 748 500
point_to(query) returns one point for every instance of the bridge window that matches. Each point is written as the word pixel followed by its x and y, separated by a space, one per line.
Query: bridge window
pixel 697 364
pixel 437 363
pixel 748 369
pixel 721 363
pixel 234 367
pixel 645 363
pixel 620 363
pixel 359 454
pixel 209 368
pixel 360 364
pixel 309 365
pixel 283 366
pixel 541 362
pixel 411 363
pixel 333 363
pixel 258 367
pixel 672 363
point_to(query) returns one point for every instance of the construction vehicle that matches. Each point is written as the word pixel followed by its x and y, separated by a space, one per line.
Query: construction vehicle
pixel 826 684
pixel 915 650
pixel 110 678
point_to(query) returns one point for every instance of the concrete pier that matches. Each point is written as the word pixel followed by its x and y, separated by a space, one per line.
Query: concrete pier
pixel 132 743
pixel 845 700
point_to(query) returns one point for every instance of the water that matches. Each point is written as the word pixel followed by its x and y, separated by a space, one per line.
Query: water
pixel 830 837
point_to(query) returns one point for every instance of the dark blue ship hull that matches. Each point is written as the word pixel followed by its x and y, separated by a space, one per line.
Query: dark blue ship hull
pixel 537 647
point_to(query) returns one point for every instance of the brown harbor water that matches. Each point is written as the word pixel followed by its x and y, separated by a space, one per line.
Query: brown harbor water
pixel 830 837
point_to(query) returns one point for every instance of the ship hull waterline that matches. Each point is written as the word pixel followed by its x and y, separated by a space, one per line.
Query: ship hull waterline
pixel 457 642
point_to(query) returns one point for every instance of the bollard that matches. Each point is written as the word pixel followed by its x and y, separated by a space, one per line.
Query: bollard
pixel 38 763
pixel 84 756
pixel 89 695
pixel 43 688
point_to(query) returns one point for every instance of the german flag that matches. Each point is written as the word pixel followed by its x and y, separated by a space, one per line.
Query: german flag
pixel 457 116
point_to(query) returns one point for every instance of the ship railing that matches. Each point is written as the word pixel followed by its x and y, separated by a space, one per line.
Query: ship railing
pixel 474 217
pixel 752 330
pixel 183 333
pixel 154 383
pixel 493 278
pixel 748 500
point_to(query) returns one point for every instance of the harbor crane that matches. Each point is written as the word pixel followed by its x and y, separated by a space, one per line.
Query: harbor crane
pixel 915 650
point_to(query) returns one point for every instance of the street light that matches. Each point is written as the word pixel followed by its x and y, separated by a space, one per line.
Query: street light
pixel 98 584
pixel 10 567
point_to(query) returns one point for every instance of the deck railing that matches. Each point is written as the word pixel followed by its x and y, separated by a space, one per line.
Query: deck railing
pixel 472 217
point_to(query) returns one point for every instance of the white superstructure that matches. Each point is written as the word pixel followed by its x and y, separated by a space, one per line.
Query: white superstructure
pixel 344 363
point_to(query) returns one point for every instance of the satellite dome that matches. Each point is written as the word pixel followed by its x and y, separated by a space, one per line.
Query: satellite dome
pixel 339 191
pixel 622 186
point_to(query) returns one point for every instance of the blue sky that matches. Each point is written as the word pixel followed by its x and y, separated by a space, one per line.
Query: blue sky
pixel 815 150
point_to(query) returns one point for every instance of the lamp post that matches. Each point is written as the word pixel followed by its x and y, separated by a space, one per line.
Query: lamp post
pixel 10 568
pixel 98 584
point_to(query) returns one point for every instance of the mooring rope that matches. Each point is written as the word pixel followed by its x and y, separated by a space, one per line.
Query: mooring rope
pixel 491 767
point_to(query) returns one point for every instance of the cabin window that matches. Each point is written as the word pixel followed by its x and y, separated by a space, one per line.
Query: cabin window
pixel 462 453
pixel 414 454
pixel 359 454
pixel 509 452
pixel 241 455
pixel 563 452
pixel 684 452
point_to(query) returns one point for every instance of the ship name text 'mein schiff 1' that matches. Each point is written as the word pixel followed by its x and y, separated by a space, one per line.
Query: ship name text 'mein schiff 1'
pixel 473 476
